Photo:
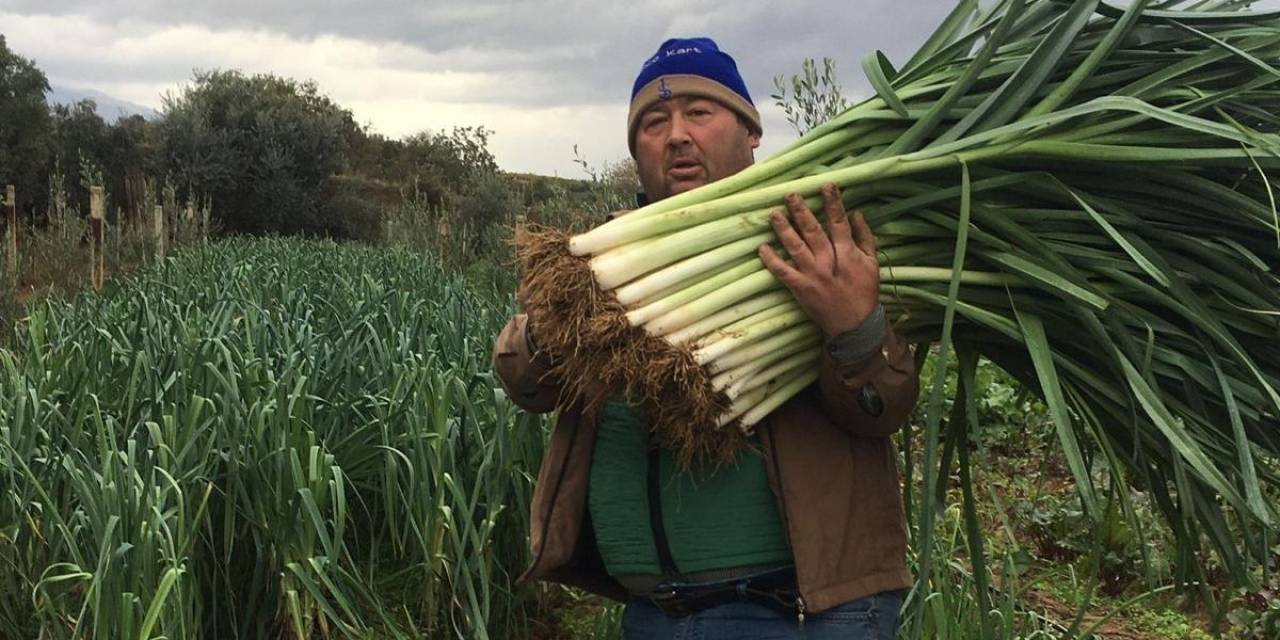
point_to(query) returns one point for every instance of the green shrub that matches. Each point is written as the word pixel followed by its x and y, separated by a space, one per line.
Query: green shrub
pixel 347 212
pixel 262 146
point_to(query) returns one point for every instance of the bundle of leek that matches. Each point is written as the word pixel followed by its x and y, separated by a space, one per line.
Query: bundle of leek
pixel 1083 194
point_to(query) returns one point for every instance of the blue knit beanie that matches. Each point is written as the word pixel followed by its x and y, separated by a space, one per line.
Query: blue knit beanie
pixel 690 67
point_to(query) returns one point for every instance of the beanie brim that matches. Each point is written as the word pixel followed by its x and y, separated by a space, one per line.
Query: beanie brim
pixel 676 85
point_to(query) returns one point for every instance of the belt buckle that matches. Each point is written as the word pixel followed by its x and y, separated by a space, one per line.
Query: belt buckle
pixel 665 592
pixel 666 597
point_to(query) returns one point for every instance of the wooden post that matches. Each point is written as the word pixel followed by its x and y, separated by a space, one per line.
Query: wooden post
pixel 204 223
pixel 443 231
pixel 11 252
pixel 97 257
pixel 158 219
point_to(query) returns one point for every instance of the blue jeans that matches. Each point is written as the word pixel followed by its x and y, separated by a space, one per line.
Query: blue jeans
pixel 871 618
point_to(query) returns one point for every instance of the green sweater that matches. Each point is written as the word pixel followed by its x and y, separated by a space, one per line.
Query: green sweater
pixel 713 518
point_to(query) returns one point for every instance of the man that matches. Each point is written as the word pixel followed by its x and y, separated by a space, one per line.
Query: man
pixel 808 538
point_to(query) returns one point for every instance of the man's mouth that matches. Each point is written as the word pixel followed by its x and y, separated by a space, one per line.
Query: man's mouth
pixel 684 169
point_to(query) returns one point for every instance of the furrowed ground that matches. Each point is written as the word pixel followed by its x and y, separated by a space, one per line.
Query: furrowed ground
pixel 294 438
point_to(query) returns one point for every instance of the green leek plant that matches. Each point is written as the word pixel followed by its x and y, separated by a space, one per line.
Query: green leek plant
pixel 264 438
pixel 1080 192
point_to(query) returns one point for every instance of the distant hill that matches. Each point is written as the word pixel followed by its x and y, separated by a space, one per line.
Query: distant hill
pixel 109 108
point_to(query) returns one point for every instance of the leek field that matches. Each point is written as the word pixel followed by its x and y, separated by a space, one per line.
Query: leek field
pixel 264 438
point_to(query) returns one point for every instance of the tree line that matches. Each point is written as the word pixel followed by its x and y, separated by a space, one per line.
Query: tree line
pixel 274 155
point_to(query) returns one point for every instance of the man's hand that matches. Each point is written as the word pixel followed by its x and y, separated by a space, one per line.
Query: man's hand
pixel 835 278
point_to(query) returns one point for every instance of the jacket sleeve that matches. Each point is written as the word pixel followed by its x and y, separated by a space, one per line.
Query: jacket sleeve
pixel 524 373
pixel 872 395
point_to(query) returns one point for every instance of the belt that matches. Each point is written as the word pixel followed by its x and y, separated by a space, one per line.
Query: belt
pixel 642 585
pixel 775 589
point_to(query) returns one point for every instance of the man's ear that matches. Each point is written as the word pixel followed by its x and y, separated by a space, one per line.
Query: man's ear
pixel 754 139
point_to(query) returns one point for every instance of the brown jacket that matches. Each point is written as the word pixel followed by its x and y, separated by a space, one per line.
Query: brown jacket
pixel 831 466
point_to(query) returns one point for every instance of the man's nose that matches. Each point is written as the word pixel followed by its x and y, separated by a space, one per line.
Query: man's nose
pixel 679 132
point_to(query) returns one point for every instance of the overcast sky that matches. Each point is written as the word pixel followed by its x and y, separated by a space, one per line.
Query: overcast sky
pixel 544 75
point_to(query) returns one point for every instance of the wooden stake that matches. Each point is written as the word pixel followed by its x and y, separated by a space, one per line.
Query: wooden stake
pixel 158 219
pixel 443 231
pixel 11 254
pixel 97 257
pixel 204 223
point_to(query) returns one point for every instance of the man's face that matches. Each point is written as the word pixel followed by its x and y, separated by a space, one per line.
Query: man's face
pixel 686 142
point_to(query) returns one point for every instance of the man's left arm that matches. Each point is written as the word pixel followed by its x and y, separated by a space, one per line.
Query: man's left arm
pixel 867 379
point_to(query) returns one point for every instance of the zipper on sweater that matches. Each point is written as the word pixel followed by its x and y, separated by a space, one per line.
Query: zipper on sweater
pixel 665 559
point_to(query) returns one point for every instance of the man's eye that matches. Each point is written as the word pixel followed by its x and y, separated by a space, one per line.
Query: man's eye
pixel 653 121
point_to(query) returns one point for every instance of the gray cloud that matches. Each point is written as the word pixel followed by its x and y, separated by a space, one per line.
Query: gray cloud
pixel 544 74
pixel 566 50
pixel 556 51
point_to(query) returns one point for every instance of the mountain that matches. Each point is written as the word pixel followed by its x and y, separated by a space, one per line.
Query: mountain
pixel 109 108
